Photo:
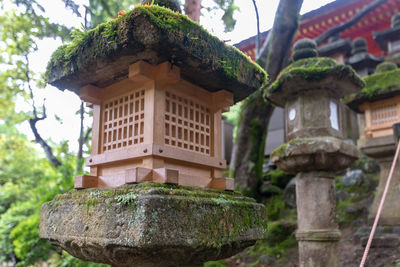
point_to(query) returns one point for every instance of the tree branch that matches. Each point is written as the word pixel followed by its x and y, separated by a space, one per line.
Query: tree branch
pixel 38 139
pixel 285 26
pixel 32 121
pixel 258 42
pixel 261 56
pixel 335 30
pixel 256 112
pixel 86 137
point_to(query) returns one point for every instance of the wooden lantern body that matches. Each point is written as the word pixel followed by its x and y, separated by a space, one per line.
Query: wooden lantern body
pixel 155 126
pixel 380 115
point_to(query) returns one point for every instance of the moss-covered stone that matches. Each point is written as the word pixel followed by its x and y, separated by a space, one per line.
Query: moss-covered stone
pixel 304 48
pixel 150 223
pixel 316 153
pixel 377 86
pixel 306 73
pixel 154 34
pixel 385 66
pixel 174 5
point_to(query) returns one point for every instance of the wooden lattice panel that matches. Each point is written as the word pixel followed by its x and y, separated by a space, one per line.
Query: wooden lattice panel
pixel 123 120
pixel 384 114
pixel 187 124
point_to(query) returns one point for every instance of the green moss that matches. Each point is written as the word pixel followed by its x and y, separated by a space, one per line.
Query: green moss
pixel 233 211
pixel 385 66
pixel 280 152
pixel 314 69
pixel 275 206
pixel 104 41
pixel 279 231
pixel 90 202
pixel 278 177
pixel 380 83
pixel 275 249
pixel 356 198
pixel 220 263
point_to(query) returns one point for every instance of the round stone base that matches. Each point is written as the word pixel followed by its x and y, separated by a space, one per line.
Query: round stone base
pixel 152 224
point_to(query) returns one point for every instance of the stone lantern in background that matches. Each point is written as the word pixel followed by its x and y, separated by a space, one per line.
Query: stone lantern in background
pixel 337 49
pixel 157 83
pixel 340 49
pixel 361 61
pixel 389 40
pixel 309 89
pixel 380 103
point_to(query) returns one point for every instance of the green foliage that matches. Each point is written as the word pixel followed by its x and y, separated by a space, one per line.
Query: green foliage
pixel 228 7
pixel 278 177
pixel 66 260
pixel 220 263
pixel 279 238
pixel 101 11
pixel 27 180
pixel 20 29
pixel 349 209
pixel 233 116
pixel 275 207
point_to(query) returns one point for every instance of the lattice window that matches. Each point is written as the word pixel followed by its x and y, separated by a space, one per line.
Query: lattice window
pixel 187 124
pixel 384 114
pixel 123 120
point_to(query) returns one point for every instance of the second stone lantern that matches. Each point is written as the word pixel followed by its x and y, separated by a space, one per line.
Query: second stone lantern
pixel 310 89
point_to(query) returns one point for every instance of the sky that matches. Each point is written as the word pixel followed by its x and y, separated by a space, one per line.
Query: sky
pixel 66 104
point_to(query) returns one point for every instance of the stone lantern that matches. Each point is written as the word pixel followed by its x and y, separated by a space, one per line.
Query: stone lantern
pixel 157 83
pixel 380 103
pixel 361 61
pixel 389 40
pixel 310 89
pixel 337 49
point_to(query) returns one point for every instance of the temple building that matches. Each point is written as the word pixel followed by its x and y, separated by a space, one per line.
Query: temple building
pixel 358 46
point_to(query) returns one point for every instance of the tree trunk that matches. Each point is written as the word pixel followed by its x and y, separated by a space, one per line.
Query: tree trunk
pixel 250 143
pixel 252 131
pixel 192 9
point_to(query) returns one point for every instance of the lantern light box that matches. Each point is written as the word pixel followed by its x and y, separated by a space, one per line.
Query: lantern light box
pixel 156 127
pixel 157 89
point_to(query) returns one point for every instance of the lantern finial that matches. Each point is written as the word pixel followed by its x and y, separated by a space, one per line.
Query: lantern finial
pixel 305 48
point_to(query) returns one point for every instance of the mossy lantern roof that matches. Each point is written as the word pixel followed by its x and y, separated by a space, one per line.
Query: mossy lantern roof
pixel 153 34
pixel 315 73
pixel 378 86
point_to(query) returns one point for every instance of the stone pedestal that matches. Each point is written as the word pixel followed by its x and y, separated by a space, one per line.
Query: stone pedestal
pixel 387 234
pixel 314 159
pixel 150 224
pixel 382 149
pixel 317 219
